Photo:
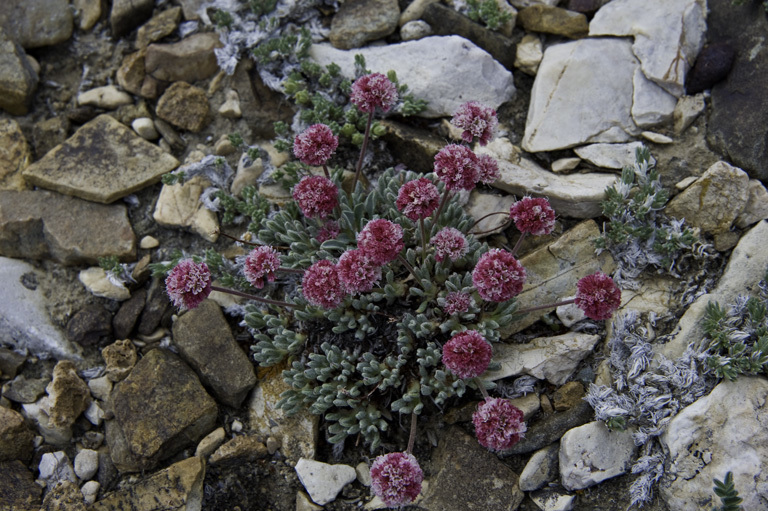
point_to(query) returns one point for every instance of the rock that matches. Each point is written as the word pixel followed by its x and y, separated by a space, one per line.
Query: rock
pixel 481 204
pixel 425 63
pixel 36 24
pixel 303 503
pixel 240 450
pixel 92 163
pixel 552 500
pixel 90 492
pixel 55 467
pixel 446 22
pixel 145 128
pixel 132 72
pixel 651 105
pixel 40 414
pixel 210 443
pixel 712 66
pixel 94 414
pixel 100 387
pixel 656 138
pixel 230 109
pixel 416 29
pixel 190 60
pixel 179 205
pixel 322 481
pixel 155 308
pixel 554 20
pixel 64 496
pixel 521 4
pixel 128 14
pixel 492 484
pixel 184 106
pixel 609 156
pixel 48 134
pixel 160 408
pixel 688 108
pixel 68 395
pixel 248 171
pixel 551 428
pixel 261 106
pixel 719 433
pixel 89 325
pixel 15 438
pixel 108 97
pixel 547 358
pixel 178 487
pixel 530 51
pixel 191 8
pixel 18 79
pixel 120 358
pixel 586 6
pixel 541 469
pixel 714 201
pixel 18 490
pixel 413 146
pixel 10 362
pixel 360 21
pixel 86 464
pixel 757 205
pixel 668 34
pixel 565 164
pixel 15 154
pixel 87 13
pixel 224 147
pixel 568 396
pixel 23 390
pixel 736 127
pixel 414 11
pixel 128 313
pixel 158 27
pixel 591 453
pixel 97 283
pixel 582 94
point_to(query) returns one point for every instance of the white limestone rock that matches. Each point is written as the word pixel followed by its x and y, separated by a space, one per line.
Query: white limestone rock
pixel 86 464
pixel 592 453
pixel 757 205
pixel 96 282
pixel 550 500
pixel 565 164
pixel 108 97
pixel 56 467
pixel 322 481
pixel 145 128
pixel 688 108
pixel 668 35
pixel 609 156
pixel 481 204
pixel 90 491
pixel 179 206
pixel 230 109
pixel 530 51
pixel 438 69
pixel 651 105
pixel 656 138
pixel 726 431
pixel 415 29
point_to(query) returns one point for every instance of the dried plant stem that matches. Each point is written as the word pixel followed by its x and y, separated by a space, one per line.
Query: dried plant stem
pixel 480 386
pixel 518 244
pixel 408 265
pixel 359 167
pixel 412 436
pixel 483 218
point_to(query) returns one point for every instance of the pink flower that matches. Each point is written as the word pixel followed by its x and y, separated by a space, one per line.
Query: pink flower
pixel 476 120
pixel 328 231
pixel 498 276
pixel 358 274
pixel 498 424
pixel 456 302
pixel 396 478
pixel 315 145
pixel 449 242
pixel 261 262
pixel 317 196
pixel 488 169
pixel 381 240
pixel 373 90
pixel 321 285
pixel 598 296
pixel 467 354
pixel 418 199
pixel 457 167
pixel 533 216
pixel 188 284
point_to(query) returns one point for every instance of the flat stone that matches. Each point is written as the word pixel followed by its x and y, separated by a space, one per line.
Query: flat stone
pixel 481 204
pixel 592 453
pixel 322 481
pixel 425 63
pixel 240 450
pixel 210 443
pixel 553 500
pixel 56 467
pixel 554 20
pixel 36 24
pixel 565 164
pixel 656 138
pixel 18 490
pixel 414 11
pixel 128 14
pixel 687 110
pixel 97 283
pixel 190 60
pixel 102 162
pixel 184 106
pixel 18 79
pixel 128 314
pixel 651 105
pixel 757 205
pixel 23 390
pixel 179 205
pixel 360 21
pixel 15 437
pixel 156 305
pixel 10 362
pixel 108 97
pixel 206 343
pixel 15 155
pixel 541 469
pixel 413 146
pixel 609 156
pixel 158 27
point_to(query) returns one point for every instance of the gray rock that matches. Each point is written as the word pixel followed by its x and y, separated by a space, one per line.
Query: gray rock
pixel 322 481
pixel 481 204
pixel 541 468
pixel 23 390
pixel 86 464
pixel 190 60
pixel 10 362
pixel 205 341
pixel 609 156
pixel 554 20
pixel 530 51
pixel 185 106
pixel 757 205
pixel 154 308
pixel 56 467
pixel 15 155
pixel 416 29
pixel 18 80
pixel 360 21
pixel 726 431
pixel 687 110
pixel 128 14
pixel 158 27
pixel 520 4
pixel 90 492
pixel 15 437
pixel 18 489
pixel 552 500
pixel 89 325
pixel 87 13
pixel 35 24
pixel 651 105
pixel 128 314
pixel 591 453
pixel 424 66
pixel 102 162
pixel 551 428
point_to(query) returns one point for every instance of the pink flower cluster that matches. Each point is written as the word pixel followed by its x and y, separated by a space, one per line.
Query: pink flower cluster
pixel 456 302
pixel 457 167
pixel 476 120
pixel 598 296
pixel 322 285
pixel 449 242
pixel 498 424
pixel 487 169
pixel 357 272
pixel 328 231
pixel 396 478
pixel 262 262
pixel 316 196
pixel 373 90
pixel 315 145
pixel 533 216
pixel 188 284
pixel 498 276
pixel 381 240
pixel 418 199
pixel 467 354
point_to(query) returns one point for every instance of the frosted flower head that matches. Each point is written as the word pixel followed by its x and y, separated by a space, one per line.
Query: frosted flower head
pixel 477 121
pixel 317 196
pixel 418 199
pixel 396 478
pixel 498 424
pixel 321 285
pixel 467 354
pixel 373 90
pixel 357 272
pixel 456 302
pixel 449 242
pixel 598 296
pixel 261 263
pixel 457 167
pixel 488 169
pixel 381 240
pixel 188 284
pixel 315 145
pixel 533 216
pixel 498 276
pixel 328 231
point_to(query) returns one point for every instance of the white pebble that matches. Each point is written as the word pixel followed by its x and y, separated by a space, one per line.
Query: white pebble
pixel 148 242
pixel 107 97
pixel 237 426
pixel 90 491
pixel 86 464
pixel 145 127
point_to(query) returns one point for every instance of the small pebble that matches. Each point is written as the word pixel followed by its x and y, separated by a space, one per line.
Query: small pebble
pixel 224 147
pixel 86 464
pixel 231 107
pixel 237 426
pixel 145 127
pixel 90 491
pixel 107 97
pixel 416 29
pixel 148 242
pixel 656 138
pixel 565 164
pixel 273 444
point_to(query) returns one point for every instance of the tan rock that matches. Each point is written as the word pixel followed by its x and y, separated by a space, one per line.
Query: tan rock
pixel 69 395
pixel 158 27
pixel 18 80
pixel 120 358
pixel 184 106
pixel 179 205
pixel 554 20
pixel 190 60
pixel 131 73
pixel 241 449
pixel 87 13
pixel 15 155
pixel 15 438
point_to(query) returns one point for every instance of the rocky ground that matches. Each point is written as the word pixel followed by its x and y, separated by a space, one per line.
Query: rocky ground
pixel 110 400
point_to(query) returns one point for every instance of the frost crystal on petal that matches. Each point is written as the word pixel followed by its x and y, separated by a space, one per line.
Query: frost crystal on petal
pixel 321 285
pixel 357 272
pixel 598 296
pixel 373 90
pixel 533 216
pixel 476 120
pixel 418 199
pixel 449 242
pixel 315 145
pixel 381 240
pixel 457 166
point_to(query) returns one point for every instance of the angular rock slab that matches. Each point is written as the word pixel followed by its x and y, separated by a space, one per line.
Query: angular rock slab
pixel 592 453
pixel 102 162
pixel 38 23
pixel 360 21
pixel 15 155
pixel 42 225
pixel 726 431
pixel 322 481
pixel 609 156
pixel 438 69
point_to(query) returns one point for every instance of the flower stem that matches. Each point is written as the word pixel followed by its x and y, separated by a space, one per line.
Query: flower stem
pixel 423 240
pixel 359 167
pixel 253 297
pixel 408 265
pixel 483 218
pixel 542 307
pixel 412 436
pixel 518 244
pixel 480 386
pixel 325 169
pixel 446 194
